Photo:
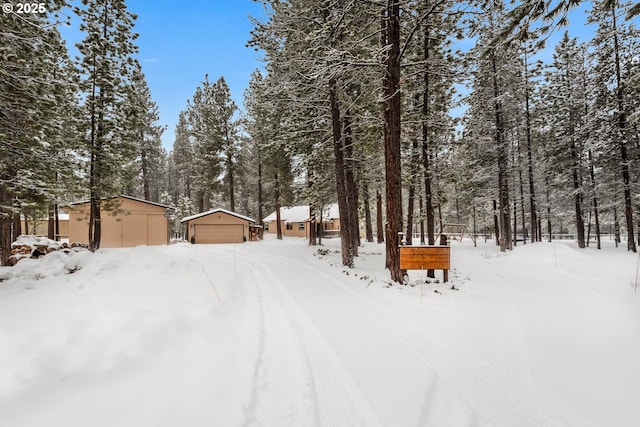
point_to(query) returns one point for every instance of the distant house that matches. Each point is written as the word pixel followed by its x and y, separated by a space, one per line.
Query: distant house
pixel 220 226
pixel 295 221
pixel 127 222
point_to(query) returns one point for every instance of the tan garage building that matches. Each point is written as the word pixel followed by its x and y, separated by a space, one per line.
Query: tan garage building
pixel 218 226
pixel 126 222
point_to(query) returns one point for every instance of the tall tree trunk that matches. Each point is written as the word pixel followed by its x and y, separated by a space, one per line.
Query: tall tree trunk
pixel 496 222
pixel 503 159
pixel 16 226
pixel 276 196
pixel 413 173
pixel 260 196
pixel 351 189
pixel 96 146
pixel 622 140
pixel 392 141
pixel 338 151
pixel 312 213
pixel 421 206
pixel 26 225
pixel 575 169
pixel 230 178
pixel 475 233
pixel 532 193
pixel 548 194
pixel 577 195
pixel 525 234
pixel 596 215
pixel 51 222
pixel 6 216
pixel 522 207
pixel 428 175
pixel 616 225
pixel 367 213
pixel 379 224
pixel 515 221
pixel 56 213
pixel 312 227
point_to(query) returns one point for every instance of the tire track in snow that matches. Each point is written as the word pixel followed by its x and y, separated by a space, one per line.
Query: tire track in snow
pixel 392 377
pixel 283 392
pixel 491 397
pixel 334 398
pixel 237 331
pixel 258 383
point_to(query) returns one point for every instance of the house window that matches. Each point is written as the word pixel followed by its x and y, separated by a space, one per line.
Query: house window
pixel 301 226
pixel 266 226
pixel 289 226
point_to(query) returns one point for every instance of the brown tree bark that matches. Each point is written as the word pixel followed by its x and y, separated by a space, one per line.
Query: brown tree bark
pixel 351 189
pixel 6 204
pixel 428 175
pixel 276 197
pixel 496 225
pixel 413 171
pixel 421 206
pixel 577 196
pixel 503 160
pixel 51 222
pixel 595 199
pixel 367 213
pixel 379 224
pixel 622 140
pixel 346 239
pixel 392 132
pixel 231 182
pixel 532 194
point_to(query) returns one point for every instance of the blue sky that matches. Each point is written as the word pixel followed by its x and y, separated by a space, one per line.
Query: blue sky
pixel 181 41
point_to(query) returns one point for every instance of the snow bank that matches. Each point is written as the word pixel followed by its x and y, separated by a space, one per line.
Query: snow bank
pixel 277 333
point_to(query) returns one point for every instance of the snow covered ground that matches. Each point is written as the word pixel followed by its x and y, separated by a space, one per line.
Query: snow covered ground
pixel 275 333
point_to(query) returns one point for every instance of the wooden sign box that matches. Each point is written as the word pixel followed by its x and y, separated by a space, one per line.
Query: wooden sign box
pixel 426 258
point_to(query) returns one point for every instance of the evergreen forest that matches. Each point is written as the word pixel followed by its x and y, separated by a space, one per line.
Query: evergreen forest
pixel 410 114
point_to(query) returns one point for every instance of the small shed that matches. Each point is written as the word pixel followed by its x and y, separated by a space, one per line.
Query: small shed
pixel 126 222
pixel 218 226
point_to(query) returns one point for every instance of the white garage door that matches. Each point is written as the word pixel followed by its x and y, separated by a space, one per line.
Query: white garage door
pixel 220 233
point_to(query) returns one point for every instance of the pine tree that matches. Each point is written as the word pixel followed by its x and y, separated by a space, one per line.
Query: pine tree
pixel 107 67
pixel 612 42
pixel 183 158
pixel 225 111
pixel 214 130
pixel 36 84
pixel 494 82
pixel 565 117
pixel 145 133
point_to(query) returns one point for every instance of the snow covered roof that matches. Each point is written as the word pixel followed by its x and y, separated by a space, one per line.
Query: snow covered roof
pixel 237 215
pixel 301 213
pixel 124 197
pixel 291 214
pixel 331 211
